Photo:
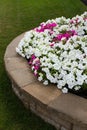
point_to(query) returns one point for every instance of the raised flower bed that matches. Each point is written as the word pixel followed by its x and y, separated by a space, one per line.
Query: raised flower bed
pixel 57 52
pixel 64 111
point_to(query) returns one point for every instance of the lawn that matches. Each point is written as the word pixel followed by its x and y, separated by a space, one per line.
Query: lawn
pixel 16 17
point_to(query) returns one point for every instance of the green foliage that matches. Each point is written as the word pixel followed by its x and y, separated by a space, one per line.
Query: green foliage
pixel 16 17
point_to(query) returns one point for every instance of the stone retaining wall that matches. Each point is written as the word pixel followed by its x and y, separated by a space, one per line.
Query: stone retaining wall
pixel 64 111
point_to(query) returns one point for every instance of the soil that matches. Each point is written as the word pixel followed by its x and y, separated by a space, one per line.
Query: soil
pixel 81 93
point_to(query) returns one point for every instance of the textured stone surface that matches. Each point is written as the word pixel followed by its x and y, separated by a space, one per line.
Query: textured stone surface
pixel 74 107
pixel 15 63
pixel 45 94
pixel 10 51
pixel 22 77
pixel 79 127
pixel 59 118
pixel 62 128
pixel 64 111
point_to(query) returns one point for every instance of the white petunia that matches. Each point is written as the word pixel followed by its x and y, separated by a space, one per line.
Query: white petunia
pixel 64 63
pixel 77 88
pixel 40 78
pixel 45 82
pixel 65 90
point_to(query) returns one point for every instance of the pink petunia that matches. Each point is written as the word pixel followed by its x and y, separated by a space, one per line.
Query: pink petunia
pixel 51 44
pixel 49 26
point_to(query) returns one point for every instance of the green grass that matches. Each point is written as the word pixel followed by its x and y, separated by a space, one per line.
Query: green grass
pixel 16 17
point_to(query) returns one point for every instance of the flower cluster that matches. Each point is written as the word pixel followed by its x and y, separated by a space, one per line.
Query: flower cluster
pixel 35 63
pixel 57 52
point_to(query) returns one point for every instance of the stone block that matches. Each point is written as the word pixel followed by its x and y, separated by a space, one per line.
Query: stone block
pixel 74 108
pixel 79 127
pixel 59 118
pixel 43 93
pixel 11 48
pixel 15 63
pixel 63 128
pixel 22 77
